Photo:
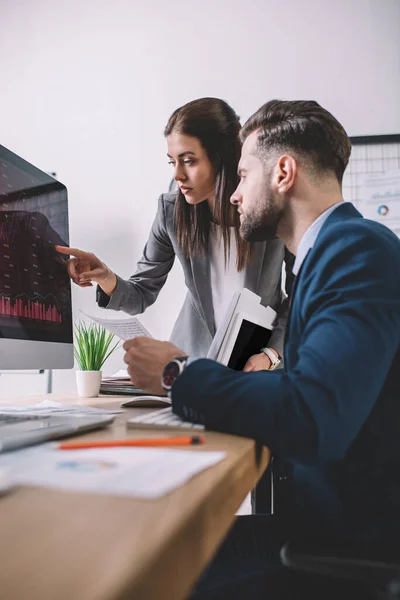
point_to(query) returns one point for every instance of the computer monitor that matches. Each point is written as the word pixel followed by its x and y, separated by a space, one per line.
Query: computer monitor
pixel 35 290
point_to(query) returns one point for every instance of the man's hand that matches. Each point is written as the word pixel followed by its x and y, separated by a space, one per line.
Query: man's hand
pixel 146 359
pixel 85 267
pixel 257 362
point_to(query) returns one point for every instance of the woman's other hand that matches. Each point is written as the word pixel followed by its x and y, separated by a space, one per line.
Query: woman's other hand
pixel 85 267
pixel 257 362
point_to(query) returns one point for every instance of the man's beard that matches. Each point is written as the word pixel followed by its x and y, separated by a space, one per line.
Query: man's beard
pixel 261 223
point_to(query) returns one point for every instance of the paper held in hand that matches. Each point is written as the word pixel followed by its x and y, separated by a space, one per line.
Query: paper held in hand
pixel 126 329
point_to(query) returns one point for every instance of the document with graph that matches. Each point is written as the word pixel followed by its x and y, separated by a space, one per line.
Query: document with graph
pixel 126 329
pixel 381 199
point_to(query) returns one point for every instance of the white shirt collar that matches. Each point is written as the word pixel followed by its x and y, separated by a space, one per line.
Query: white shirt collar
pixel 309 238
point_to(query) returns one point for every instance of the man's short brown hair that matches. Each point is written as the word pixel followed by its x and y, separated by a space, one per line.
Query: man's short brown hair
pixel 304 127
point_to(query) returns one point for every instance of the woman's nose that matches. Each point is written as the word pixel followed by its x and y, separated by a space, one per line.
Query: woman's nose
pixel 179 174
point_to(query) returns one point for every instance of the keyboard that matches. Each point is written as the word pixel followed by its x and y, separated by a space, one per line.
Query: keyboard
pixel 162 419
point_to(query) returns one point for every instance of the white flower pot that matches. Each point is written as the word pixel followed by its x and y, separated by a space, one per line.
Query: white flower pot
pixel 88 383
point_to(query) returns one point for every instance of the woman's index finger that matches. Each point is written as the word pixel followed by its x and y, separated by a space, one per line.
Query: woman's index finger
pixel 71 251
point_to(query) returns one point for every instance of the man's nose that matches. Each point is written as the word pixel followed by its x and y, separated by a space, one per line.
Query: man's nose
pixel 236 198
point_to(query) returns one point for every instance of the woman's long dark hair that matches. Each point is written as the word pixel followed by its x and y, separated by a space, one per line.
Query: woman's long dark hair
pixel 216 125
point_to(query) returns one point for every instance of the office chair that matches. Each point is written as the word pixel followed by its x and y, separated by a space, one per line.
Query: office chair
pixel 270 490
pixel 380 579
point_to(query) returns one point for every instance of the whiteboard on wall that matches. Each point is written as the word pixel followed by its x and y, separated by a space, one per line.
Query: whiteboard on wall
pixel 372 179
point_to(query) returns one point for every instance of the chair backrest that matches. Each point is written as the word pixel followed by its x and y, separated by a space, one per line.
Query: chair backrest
pixel 380 578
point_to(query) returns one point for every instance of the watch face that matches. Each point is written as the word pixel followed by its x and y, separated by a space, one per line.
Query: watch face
pixel 171 372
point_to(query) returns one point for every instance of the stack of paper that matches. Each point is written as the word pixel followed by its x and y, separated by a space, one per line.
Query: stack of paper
pixel 120 384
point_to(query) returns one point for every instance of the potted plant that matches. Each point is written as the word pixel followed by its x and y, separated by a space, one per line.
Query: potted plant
pixel 92 347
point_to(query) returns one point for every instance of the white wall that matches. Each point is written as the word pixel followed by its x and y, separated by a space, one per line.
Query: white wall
pixel 86 87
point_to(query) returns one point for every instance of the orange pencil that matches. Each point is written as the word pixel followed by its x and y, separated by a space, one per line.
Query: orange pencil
pixel 192 440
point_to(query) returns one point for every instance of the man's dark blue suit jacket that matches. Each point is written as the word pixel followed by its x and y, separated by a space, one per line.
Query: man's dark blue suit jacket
pixel 332 416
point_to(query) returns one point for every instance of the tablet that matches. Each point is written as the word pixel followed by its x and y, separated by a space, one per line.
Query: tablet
pixel 248 305
pixel 247 335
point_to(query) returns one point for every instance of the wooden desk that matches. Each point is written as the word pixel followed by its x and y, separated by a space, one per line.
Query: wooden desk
pixel 58 545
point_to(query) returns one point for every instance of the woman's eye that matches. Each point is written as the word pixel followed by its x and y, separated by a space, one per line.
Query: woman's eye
pixel 171 162
pixel 188 162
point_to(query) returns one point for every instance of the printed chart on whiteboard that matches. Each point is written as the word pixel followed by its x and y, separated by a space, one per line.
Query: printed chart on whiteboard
pixel 372 179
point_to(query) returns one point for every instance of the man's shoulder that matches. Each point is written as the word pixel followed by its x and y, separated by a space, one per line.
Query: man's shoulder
pixel 353 259
pixel 358 232
pixel 354 249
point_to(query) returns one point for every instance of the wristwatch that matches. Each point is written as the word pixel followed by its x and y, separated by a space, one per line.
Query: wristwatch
pixel 275 360
pixel 172 371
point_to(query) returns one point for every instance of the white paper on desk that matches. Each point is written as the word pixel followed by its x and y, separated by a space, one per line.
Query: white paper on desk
pixel 120 375
pixel 134 472
pixel 126 329
pixel 380 199
pixel 48 407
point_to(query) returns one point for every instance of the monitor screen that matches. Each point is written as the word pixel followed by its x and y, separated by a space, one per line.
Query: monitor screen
pixel 35 292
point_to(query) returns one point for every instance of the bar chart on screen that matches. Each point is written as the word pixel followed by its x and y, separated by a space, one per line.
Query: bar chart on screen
pixel 34 295
pixel 40 308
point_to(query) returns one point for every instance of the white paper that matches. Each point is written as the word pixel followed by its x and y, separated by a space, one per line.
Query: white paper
pixel 126 329
pixel 48 407
pixel 134 472
pixel 121 374
pixel 381 199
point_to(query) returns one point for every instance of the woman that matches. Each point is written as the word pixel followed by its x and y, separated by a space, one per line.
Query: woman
pixel 197 224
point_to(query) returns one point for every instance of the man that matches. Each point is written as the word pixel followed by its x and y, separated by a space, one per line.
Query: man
pixel 330 418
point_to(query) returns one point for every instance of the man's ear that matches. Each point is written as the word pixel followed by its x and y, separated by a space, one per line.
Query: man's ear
pixel 285 173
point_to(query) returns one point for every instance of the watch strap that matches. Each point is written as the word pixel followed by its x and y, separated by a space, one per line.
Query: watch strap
pixel 275 360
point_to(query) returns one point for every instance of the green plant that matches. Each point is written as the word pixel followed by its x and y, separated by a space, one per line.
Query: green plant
pixel 92 346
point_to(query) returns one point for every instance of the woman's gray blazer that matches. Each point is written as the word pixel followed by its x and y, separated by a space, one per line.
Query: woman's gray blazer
pixel 194 328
